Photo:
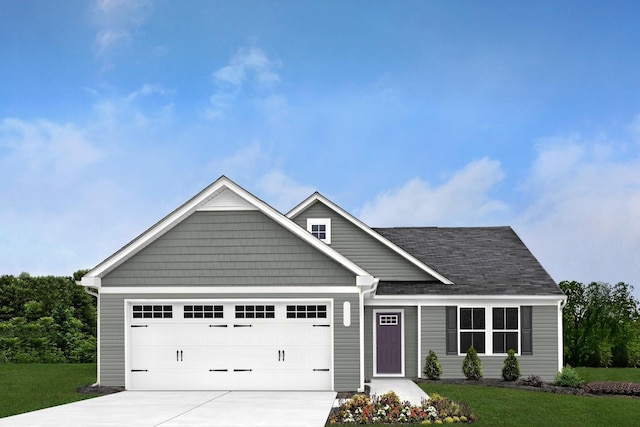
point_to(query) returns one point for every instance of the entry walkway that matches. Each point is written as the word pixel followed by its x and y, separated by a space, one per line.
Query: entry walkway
pixel 186 408
pixel 406 389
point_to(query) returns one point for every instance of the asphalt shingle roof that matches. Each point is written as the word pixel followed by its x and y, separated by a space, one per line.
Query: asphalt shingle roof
pixel 479 260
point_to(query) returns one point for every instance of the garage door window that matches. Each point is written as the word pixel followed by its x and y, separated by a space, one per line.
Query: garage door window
pixel 306 312
pixel 203 312
pixel 152 311
pixel 255 312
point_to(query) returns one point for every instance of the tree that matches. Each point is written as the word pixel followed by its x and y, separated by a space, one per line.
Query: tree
pixel 46 319
pixel 601 325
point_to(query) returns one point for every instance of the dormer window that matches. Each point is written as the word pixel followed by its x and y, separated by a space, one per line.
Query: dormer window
pixel 320 228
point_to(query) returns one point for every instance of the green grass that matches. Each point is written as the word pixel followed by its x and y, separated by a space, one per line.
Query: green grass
pixel 30 386
pixel 609 374
pixel 496 406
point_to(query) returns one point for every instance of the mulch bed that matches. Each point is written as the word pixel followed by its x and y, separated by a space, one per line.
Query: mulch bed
pixel 488 382
pixel 494 382
pixel 98 390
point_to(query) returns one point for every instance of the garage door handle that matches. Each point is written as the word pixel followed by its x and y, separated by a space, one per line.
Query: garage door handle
pixel 217 326
pixel 283 355
pixel 279 355
pixel 242 370
pixel 139 370
pixel 242 326
pixel 139 326
pixel 321 370
pixel 218 370
pixel 321 326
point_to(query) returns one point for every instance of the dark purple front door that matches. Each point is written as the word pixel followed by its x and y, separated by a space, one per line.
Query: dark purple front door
pixel 388 343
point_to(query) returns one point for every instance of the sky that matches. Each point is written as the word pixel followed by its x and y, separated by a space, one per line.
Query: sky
pixel 404 113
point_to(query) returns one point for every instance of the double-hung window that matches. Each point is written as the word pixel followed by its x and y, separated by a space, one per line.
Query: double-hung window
pixel 472 329
pixel 505 329
pixel 491 330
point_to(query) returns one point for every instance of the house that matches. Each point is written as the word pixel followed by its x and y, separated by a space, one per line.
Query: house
pixel 228 293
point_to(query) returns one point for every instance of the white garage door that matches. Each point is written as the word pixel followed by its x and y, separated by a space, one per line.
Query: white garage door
pixel 241 345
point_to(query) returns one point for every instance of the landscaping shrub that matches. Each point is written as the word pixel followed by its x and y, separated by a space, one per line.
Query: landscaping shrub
pixel 511 367
pixel 385 409
pixel 532 381
pixel 471 365
pixel 568 377
pixel 432 367
pixel 613 387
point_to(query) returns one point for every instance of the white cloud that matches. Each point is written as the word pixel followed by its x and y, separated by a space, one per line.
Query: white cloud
pixel 64 183
pixel 117 22
pixel 463 200
pixel 282 191
pixel 583 220
pixel 49 153
pixel 248 68
pixel 248 64
pixel 47 171
pixel 256 169
pixel 146 90
pixel 107 40
pixel 634 128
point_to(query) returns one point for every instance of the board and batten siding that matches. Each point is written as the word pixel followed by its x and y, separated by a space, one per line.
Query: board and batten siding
pixel 410 320
pixel 229 248
pixel 373 256
pixel 543 362
pixel 346 340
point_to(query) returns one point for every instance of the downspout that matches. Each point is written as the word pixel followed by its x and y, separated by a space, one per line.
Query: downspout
pixel 97 295
pixel 561 304
pixel 366 293
pixel 88 290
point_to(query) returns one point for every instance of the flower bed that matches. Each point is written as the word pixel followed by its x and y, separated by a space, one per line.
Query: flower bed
pixel 613 387
pixel 362 409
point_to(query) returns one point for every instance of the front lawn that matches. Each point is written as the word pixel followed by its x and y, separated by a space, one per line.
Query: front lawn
pixel 496 406
pixel 30 386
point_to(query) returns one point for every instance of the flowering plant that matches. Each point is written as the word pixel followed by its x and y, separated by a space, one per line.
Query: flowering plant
pixel 388 408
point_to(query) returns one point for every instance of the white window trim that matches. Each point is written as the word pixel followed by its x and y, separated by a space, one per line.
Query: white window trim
pixel 321 221
pixel 489 330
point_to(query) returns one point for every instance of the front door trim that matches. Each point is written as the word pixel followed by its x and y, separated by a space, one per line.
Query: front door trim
pixel 374 321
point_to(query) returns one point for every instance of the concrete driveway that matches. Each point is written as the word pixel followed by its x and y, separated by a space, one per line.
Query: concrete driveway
pixel 186 408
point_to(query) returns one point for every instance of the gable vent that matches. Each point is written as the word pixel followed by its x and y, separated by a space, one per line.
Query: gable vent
pixel 226 200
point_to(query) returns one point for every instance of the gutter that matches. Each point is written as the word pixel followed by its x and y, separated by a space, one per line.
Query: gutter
pixel 88 289
pixel 372 290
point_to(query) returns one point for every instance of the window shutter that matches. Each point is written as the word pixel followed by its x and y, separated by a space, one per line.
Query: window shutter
pixel 452 330
pixel 526 330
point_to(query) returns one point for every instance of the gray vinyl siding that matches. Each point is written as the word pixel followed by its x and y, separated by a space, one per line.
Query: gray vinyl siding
pixel 229 248
pixel 410 339
pixel 375 257
pixel 543 362
pixel 346 340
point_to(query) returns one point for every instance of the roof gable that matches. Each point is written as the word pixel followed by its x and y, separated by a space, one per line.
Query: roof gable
pixel 318 198
pixel 223 194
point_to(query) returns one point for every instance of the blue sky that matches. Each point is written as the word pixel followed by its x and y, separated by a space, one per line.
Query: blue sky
pixel 457 113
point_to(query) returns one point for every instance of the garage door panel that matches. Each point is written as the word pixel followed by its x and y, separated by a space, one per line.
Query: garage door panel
pixel 274 352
